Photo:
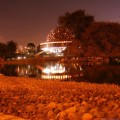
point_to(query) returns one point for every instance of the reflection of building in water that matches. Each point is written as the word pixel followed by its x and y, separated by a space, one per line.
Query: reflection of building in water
pixel 57 68
pixel 58 72
pixel 51 71
pixel 26 70
pixel 54 72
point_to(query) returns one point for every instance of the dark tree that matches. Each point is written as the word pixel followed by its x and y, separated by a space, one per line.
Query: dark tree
pixel 3 50
pixel 38 48
pixel 11 48
pixel 102 39
pixel 31 48
pixel 31 45
pixel 77 22
pixel 73 49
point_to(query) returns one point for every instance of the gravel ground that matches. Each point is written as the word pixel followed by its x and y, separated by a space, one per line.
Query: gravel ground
pixel 35 99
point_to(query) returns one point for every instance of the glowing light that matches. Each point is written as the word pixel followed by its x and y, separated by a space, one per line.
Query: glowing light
pixel 18 57
pixel 46 70
pixel 59 77
pixel 54 69
pixel 45 49
pixel 57 42
pixel 59 34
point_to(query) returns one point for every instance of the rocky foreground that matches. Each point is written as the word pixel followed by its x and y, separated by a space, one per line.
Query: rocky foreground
pixel 35 99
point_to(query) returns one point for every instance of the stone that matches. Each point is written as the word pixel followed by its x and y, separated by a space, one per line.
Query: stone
pixel 87 116
pixel 71 110
pixel 52 105
pixel 72 116
pixel 9 117
pixel 40 107
pixel 50 114
pixel 60 106
pixel 62 115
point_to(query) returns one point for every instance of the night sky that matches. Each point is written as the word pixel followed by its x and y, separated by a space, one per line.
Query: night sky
pixel 31 20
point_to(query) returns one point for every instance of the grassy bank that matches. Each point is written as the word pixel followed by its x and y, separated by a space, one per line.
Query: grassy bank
pixel 38 60
pixel 35 99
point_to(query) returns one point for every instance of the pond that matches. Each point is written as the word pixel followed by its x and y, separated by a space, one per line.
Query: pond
pixel 88 72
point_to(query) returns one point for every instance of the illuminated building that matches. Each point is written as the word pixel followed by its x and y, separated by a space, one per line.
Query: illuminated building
pixel 57 41
pixel 56 48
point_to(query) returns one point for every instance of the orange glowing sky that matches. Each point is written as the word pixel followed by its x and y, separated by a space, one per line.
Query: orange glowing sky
pixel 31 20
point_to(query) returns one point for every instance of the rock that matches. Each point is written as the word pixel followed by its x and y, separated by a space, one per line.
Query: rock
pixel 52 105
pixel 72 116
pixel 90 99
pixel 116 106
pixel 101 101
pixel 96 98
pixel 56 111
pixel 60 106
pixel 84 103
pixel 30 108
pixel 82 110
pixel 71 110
pixel 111 104
pixel 43 101
pixel 40 107
pixel 73 103
pixel 9 117
pixel 96 113
pixel 66 105
pixel 94 110
pixel 50 114
pixel 62 115
pixel 87 116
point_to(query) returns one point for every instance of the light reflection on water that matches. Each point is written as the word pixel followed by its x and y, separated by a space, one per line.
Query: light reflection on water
pixel 88 72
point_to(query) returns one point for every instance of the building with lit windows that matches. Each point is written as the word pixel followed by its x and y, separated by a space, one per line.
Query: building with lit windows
pixel 57 48
pixel 57 41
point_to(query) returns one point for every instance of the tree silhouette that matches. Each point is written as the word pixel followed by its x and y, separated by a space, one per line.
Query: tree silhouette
pixel 3 50
pixel 102 39
pixel 11 48
pixel 77 22
pixel 31 48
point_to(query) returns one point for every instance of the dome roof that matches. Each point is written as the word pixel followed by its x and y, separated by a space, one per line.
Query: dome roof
pixel 60 34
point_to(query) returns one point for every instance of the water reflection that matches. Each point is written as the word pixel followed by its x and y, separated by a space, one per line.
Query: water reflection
pixel 1 69
pixel 58 71
pixel 26 70
pixel 68 72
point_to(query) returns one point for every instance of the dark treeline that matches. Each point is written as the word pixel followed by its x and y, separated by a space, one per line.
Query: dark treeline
pixel 7 49
pixel 11 50
pixel 102 39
